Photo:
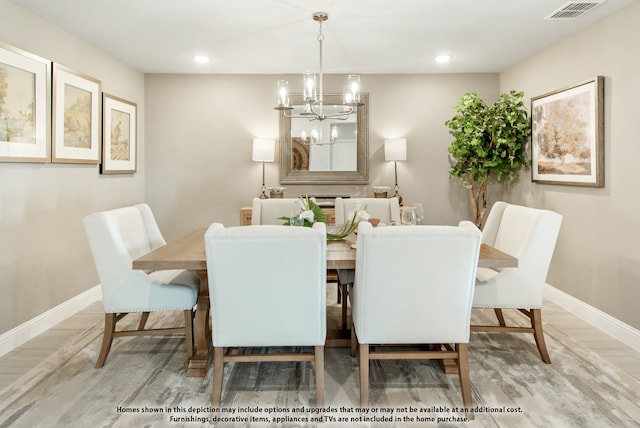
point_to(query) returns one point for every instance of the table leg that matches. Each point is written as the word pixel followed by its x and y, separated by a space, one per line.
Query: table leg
pixel 199 362
pixel 344 291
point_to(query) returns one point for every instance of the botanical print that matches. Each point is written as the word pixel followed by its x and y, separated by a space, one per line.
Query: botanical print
pixel 17 109
pixel 120 132
pixel 565 135
pixel 77 117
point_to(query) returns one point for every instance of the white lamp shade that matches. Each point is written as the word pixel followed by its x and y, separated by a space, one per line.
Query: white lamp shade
pixel 395 149
pixel 264 149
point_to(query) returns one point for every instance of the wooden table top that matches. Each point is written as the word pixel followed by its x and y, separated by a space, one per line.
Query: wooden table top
pixel 187 252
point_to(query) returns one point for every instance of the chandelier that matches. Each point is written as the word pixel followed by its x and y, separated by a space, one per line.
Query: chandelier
pixel 312 108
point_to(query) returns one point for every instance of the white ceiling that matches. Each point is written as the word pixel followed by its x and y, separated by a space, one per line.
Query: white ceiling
pixel 279 36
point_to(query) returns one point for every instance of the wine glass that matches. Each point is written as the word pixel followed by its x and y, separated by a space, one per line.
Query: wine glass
pixel 296 219
pixel 419 208
pixel 408 216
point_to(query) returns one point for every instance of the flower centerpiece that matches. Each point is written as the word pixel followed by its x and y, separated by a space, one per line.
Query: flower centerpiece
pixel 354 218
pixel 309 214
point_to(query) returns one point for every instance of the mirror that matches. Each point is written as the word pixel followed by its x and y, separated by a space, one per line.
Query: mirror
pixel 332 151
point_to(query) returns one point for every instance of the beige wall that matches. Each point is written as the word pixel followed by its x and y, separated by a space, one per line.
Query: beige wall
pixel 44 255
pixel 597 259
pixel 199 167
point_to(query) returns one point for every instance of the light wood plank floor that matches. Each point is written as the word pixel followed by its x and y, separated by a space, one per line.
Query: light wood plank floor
pixel 22 359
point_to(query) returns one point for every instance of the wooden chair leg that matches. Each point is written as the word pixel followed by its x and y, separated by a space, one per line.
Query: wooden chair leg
pixel 188 331
pixel 143 321
pixel 463 372
pixel 500 317
pixel 319 366
pixel 538 334
pixel 364 375
pixel 107 338
pixel 218 370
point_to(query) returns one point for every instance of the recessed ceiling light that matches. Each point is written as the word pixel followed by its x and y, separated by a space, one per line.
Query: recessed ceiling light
pixel 201 59
pixel 443 58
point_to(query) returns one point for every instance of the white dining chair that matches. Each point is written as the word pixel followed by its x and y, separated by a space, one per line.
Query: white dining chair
pixel 116 238
pixel 414 285
pixel 529 234
pixel 268 289
pixel 269 211
pixel 387 210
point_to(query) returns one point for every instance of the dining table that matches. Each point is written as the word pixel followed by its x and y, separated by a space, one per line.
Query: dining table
pixel 188 252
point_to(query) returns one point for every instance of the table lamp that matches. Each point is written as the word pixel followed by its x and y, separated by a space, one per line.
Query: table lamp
pixel 263 151
pixel 395 149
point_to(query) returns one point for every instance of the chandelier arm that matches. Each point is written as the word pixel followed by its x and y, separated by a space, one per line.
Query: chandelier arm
pixel 337 116
pixel 344 114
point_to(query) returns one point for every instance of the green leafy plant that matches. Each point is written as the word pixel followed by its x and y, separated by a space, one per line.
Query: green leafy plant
pixel 489 142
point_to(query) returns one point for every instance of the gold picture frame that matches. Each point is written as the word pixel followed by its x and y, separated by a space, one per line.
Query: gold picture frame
pixel 76 117
pixel 119 135
pixel 25 106
pixel 567 138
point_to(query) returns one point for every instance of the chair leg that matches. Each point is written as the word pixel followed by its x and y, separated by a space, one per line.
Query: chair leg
pixel 538 334
pixel 188 331
pixel 364 375
pixel 143 321
pixel 339 291
pixel 463 372
pixel 218 366
pixel 354 340
pixel 107 338
pixel 500 317
pixel 319 366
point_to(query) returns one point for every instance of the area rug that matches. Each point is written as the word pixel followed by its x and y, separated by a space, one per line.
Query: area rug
pixel 143 384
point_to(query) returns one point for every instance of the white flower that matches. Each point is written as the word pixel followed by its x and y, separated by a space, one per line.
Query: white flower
pixel 361 215
pixel 307 215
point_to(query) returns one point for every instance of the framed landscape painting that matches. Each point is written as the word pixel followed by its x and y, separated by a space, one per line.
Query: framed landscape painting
pixel 119 141
pixel 24 106
pixel 567 138
pixel 76 117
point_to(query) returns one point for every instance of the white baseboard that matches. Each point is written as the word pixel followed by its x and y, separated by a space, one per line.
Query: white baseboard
pixel 601 320
pixel 35 326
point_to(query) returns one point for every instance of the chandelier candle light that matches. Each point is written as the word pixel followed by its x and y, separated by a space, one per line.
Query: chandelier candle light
pixel 395 150
pixel 263 151
pixel 312 90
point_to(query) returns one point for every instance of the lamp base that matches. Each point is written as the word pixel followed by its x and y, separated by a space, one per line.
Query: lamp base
pixel 397 195
pixel 263 193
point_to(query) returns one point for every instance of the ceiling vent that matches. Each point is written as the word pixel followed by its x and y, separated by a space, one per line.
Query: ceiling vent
pixel 573 10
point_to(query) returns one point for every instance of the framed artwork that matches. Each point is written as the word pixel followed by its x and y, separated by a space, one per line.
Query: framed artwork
pixel 25 100
pixel 567 138
pixel 119 141
pixel 76 117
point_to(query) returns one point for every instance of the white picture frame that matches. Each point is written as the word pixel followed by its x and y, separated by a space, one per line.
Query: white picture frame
pixel 119 135
pixel 76 117
pixel 25 106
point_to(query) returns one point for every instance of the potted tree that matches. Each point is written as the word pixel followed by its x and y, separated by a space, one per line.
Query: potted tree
pixel 489 143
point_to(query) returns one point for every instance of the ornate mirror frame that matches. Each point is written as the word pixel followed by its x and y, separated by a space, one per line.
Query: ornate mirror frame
pixel 361 176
